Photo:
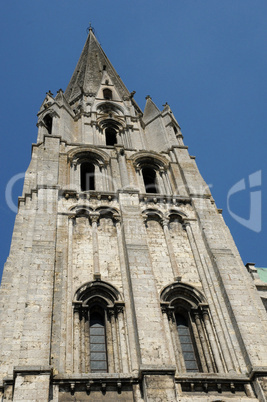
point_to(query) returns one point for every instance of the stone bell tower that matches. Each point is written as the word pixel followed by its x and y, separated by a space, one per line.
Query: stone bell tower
pixel 123 282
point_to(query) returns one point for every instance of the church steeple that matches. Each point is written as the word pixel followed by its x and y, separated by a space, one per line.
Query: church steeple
pixel 88 74
pixel 123 282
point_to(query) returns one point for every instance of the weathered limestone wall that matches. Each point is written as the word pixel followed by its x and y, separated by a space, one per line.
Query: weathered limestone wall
pixel 162 269
pixel 145 300
pixel 82 252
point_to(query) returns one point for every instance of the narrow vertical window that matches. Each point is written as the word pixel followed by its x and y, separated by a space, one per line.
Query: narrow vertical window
pixel 111 136
pixel 186 343
pixel 149 176
pixel 87 176
pixel 48 120
pixel 107 94
pixel 98 353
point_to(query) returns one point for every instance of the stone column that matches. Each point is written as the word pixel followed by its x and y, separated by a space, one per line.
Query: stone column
pixel 83 351
pixel 69 312
pixel 87 341
pixel 213 344
pixel 101 175
pixel 77 341
pixel 170 344
pixel 122 167
pixel 165 181
pixel 199 346
pixel 109 341
pixel 121 335
pixel 140 180
pixel 114 341
pixel 203 342
pixel 168 240
pixel 133 342
pixel 160 183
pixel 94 219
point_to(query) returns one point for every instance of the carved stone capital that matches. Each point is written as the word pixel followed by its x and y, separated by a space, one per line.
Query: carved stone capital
pixel 117 218
pixel 165 221
pixel 94 217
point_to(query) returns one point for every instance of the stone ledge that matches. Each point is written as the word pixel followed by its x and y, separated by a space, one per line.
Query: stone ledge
pixel 32 370
pixel 223 377
pixel 258 371
pixel 157 370
pixel 96 378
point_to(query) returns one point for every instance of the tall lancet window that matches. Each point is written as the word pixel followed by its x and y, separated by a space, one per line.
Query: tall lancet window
pixel 186 343
pixel 87 176
pixel 149 176
pixel 48 121
pixel 98 352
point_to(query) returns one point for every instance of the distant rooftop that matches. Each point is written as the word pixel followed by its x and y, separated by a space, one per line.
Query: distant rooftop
pixel 262 272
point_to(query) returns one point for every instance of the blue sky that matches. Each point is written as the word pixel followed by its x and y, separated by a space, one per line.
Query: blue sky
pixel 206 58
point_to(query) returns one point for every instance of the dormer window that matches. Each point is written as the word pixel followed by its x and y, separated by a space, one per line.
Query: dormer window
pixel 111 136
pixel 107 94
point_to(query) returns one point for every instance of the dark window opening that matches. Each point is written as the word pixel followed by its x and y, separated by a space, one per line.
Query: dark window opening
pixel 175 130
pixel 48 123
pixel 107 93
pixel 149 176
pixel 186 343
pixel 111 136
pixel 87 176
pixel 98 352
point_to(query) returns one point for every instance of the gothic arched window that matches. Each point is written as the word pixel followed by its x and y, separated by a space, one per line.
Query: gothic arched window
pixel 107 94
pixel 191 331
pixel 150 180
pixel 111 136
pixel 88 170
pixel 99 336
pixel 152 172
pixel 87 176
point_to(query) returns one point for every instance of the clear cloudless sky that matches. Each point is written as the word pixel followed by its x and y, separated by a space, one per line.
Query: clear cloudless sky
pixel 206 58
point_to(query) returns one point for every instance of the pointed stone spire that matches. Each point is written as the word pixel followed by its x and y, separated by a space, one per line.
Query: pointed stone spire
pixel 89 71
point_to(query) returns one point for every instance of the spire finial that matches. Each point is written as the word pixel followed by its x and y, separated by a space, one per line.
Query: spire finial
pixel 90 28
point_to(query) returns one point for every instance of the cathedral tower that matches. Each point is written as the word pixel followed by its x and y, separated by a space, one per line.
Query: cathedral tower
pixel 123 282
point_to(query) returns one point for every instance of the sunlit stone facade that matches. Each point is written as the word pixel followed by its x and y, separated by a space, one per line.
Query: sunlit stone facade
pixel 123 282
